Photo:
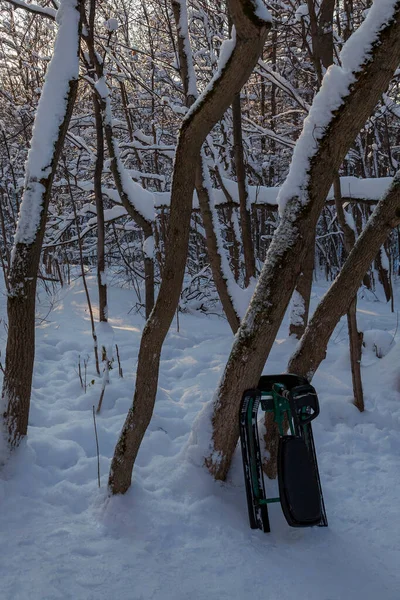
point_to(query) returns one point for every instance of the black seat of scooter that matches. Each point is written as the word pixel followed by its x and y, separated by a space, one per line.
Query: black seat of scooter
pixel 298 485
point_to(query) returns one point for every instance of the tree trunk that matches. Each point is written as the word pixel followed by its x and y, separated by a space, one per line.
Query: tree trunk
pixel 98 172
pixel 203 190
pixel 322 55
pixel 213 249
pixel 295 233
pixel 20 352
pixel 355 341
pixel 382 266
pixel 311 350
pixel 123 182
pixel 301 296
pixel 251 33
pixel 245 217
pixel 355 337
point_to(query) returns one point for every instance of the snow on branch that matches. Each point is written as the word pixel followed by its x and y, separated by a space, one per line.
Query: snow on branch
pixel 138 198
pixel 48 12
pixel 331 97
pixel 273 76
pixel 183 32
pixel 63 68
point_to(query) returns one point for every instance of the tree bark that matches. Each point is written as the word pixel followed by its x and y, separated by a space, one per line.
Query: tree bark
pixel 311 350
pixel 355 337
pixel 20 351
pixel 301 301
pixel 321 27
pixel 118 170
pixel 213 250
pixel 245 217
pixel 251 33
pixel 98 173
pixel 294 235
pixel 383 274
pixel 355 342
pixel 203 191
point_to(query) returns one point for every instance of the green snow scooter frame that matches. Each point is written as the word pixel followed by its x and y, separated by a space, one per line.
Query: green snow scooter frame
pixel 300 492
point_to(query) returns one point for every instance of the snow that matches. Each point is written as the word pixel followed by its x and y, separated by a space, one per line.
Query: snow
pixel 46 11
pixel 378 342
pixel 105 338
pixel 62 69
pixel 297 309
pixel 178 534
pixel 183 32
pixel 111 25
pixel 149 247
pixel 370 189
pixel 385 259
pixel 109 213
pixel 348 217
pixel 301 12
pixel 261 11
pixel 361 42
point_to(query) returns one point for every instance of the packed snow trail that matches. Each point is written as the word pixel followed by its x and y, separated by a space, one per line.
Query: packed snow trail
pixel 177 534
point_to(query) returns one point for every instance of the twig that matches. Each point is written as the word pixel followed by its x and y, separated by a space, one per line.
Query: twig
pixel 120 372
pixel 78 232
pixel 80 371
pixel 101 399
pixel 97 447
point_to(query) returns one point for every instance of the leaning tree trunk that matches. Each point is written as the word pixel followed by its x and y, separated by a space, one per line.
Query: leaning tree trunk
pixel 311 350
pixel 321 49
pixel 208 214
pixel 55 109
pixel 203 190
pixel 317 157
pixel 251 32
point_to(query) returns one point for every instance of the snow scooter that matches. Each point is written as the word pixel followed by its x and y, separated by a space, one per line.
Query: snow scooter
pixel 292 400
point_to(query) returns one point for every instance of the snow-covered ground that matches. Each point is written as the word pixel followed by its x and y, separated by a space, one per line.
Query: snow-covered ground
pixel 177 534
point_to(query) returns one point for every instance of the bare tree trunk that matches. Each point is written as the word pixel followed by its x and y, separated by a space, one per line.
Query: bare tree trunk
pixel 98 172
pixel 123 182
pixel 24 266
pixel 301 296
pixel 311 350
pixel 355 341
pixel 213 250
pixel 355 337
pixel 295 233
pixel 251 33
pixel 245 217
pixel 384 273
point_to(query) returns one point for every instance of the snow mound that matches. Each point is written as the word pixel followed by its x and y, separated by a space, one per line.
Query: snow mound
pixel 378 342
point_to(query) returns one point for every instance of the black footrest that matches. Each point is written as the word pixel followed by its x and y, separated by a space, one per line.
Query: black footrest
pixel 298 483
